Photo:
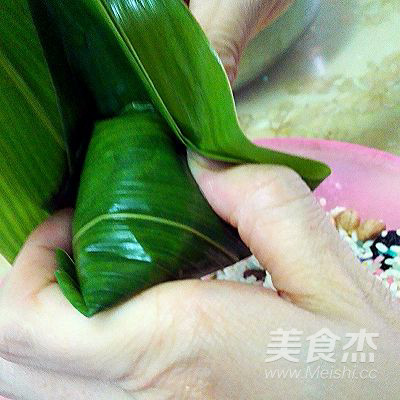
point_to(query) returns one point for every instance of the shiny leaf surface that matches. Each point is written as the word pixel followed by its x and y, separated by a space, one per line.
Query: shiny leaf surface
pixel 140 218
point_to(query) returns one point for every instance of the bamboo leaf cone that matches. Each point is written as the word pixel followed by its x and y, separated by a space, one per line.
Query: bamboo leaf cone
pixel 142 220
pixel 157 87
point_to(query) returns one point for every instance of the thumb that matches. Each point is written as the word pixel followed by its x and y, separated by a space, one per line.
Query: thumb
pixel 34 267
pixel 230 25
pixel 285 228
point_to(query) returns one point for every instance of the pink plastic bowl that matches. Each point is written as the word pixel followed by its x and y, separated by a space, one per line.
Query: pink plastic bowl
pixel 365 179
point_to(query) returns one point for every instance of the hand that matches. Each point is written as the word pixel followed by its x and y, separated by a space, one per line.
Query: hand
pixel 197 339
pixel 230 24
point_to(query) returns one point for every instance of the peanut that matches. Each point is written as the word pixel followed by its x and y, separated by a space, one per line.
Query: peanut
pixel 349 220
pixel 370 229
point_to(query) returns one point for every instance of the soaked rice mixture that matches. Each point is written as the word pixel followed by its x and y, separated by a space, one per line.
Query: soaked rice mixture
pixel 377 249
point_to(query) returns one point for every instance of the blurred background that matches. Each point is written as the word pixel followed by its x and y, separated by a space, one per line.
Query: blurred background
pixel 339 76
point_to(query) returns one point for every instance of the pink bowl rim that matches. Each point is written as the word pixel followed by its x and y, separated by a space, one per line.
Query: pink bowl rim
pixel 327 144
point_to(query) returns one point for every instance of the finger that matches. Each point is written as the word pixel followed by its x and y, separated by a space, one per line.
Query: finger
pixel 32 308
pixel 40 329
pixel 279 7
pixel 38 326
pixel 282 224
pixel 230 25
pixel 34 267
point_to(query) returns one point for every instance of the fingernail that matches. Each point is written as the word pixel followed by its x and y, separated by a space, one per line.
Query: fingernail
pixel 230 63
pixel 232 73
pixel 199 164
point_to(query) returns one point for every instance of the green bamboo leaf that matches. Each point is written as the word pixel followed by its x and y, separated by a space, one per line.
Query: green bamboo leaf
pixel 188 83
pixel 120 47
pixel 32 148
pixel 140 218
